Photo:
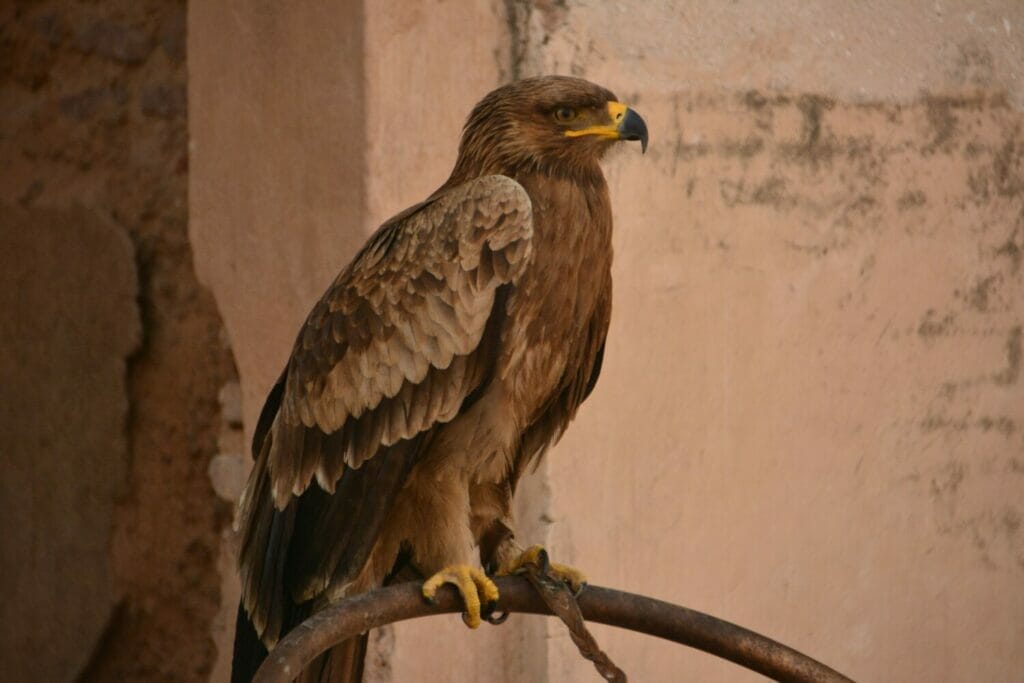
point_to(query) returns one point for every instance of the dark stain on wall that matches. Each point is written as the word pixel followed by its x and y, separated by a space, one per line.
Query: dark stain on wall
pixel 1011 373
pixel 840 182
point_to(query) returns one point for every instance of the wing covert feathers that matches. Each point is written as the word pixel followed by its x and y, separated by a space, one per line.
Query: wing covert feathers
pixel 398 342
pixel 386 353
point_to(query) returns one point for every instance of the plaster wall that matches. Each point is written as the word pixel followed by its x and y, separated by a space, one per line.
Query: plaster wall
pixel 810 418
pixel 810 421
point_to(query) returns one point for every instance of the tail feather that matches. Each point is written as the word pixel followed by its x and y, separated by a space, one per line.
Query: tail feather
pixel 249 650
pixel 343 663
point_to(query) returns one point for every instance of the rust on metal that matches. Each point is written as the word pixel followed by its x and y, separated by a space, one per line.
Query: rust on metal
pixel 383 606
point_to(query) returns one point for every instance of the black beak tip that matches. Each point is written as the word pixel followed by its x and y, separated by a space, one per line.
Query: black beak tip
pixel 634 128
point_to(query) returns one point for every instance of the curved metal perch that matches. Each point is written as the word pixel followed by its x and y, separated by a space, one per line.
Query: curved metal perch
pixel 600 605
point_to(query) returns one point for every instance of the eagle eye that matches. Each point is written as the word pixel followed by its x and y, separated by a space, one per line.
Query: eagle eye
pixel 565 114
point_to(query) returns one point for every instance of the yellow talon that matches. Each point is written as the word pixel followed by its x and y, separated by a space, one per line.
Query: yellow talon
pixel 472 584
pixel 536 556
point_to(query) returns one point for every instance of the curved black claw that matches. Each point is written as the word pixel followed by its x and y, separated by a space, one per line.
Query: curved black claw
pixel 488 614
pixel 496 618
pixel 543 561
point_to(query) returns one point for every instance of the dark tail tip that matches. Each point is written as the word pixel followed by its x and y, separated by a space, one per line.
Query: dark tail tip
pixel 341 664
pixel 249 650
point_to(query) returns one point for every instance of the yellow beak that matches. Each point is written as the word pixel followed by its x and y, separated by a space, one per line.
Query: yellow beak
pixel 625 124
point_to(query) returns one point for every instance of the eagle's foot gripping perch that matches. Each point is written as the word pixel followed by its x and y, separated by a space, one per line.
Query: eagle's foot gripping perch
pixel 475 587
pixel 536 558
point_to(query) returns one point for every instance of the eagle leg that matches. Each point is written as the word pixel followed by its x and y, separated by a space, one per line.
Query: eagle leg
pixel 537 557
pixel 474 586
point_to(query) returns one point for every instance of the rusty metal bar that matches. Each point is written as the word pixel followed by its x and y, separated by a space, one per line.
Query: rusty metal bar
pixel 601 605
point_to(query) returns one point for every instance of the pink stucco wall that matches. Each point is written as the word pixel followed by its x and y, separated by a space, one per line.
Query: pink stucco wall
pixel 811 416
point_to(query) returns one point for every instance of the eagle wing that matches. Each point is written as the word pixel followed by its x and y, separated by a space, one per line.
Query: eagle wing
pixel 400 340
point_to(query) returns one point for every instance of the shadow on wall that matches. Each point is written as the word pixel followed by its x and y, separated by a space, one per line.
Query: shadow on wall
pixel 116 355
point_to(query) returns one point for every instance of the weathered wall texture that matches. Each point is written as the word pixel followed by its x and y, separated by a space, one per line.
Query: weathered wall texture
pixel 113 355
pixel 814 361
pixel 811 418
pixel 827 393
pixel 69 288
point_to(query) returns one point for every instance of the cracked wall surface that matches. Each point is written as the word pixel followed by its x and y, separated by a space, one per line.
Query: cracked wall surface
pixel 114 355
pixel 810 415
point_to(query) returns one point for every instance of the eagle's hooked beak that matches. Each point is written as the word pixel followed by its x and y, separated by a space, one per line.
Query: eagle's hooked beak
pixel 631 126
pixel 625 124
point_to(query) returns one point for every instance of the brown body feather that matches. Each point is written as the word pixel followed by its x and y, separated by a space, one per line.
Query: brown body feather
pixel 451 353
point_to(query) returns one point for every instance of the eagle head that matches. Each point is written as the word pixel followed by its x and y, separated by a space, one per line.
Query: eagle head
pixel 548 123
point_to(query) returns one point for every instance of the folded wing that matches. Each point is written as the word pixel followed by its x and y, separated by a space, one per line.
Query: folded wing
pixel 396 345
